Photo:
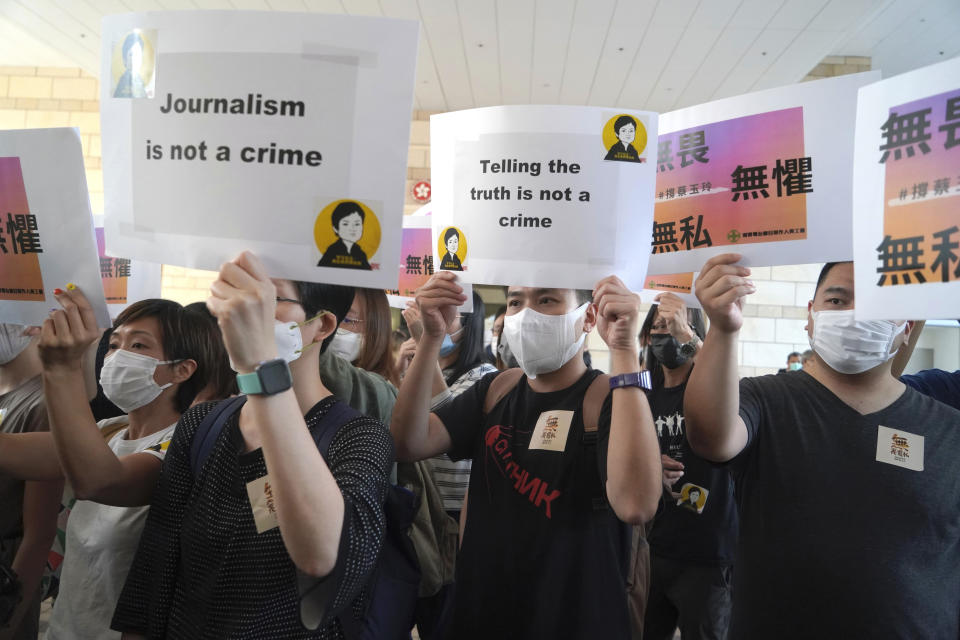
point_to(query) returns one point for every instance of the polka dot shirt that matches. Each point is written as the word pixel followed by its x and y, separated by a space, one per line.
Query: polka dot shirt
pixel 203 571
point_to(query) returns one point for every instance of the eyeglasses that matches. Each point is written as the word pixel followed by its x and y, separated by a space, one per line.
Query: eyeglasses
pixel 352 322
pixel 279 299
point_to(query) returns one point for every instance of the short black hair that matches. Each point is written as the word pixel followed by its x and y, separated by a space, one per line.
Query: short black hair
pixel 222 379
pixel 793 354
pixel 316 297
pixel 343 210
pixel 183 336
pixel 623 121
pixel 449 233
pixel 583 296
pixel 823 274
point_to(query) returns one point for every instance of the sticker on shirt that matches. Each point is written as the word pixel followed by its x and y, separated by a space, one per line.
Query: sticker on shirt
pixel 692 497
pixel 263 504
pixel 552 430
pixel 900 448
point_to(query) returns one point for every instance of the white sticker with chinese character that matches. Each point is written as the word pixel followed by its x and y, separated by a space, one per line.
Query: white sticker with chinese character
pixel 900 448
pixel 263 504
pixel 552 430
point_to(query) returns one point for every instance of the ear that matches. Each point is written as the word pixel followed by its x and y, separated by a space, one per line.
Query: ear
pixel 183 370
pixel 590 318
pixel 325 325
pixel 809 326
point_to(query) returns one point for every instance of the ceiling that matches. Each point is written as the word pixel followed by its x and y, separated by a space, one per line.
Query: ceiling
pixel 654 54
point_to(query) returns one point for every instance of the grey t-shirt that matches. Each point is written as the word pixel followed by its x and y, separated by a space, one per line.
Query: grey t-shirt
pixel 22 410
pixel 837 535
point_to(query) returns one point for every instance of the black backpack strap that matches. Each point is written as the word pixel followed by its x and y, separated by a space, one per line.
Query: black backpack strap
pixel 210 429
pixel 336 416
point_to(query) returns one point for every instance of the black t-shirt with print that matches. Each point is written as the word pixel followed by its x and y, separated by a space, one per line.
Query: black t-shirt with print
pixel 707 533
pixel 832 540
pixel 543 555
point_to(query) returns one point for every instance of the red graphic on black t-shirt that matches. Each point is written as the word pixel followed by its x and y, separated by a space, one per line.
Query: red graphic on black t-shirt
pixel 498 440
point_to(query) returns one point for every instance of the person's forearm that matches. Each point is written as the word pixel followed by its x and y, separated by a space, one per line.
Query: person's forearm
pixel 633 454
pixel 309 504
pixel 409 422
pixel 439 384
pixel 88 463
pixel 29 456
pixel 712 399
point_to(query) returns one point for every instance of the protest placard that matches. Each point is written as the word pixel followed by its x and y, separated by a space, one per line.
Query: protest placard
pixel 767 175
pixel 46 227
pixel 416 263
pixel 907 196
pixel 543 196
pixel 124 280
pixel 679 284
pixel 278 132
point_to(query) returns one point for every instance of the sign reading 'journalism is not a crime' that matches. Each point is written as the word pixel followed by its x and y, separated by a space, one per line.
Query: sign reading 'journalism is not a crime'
pixel 263 123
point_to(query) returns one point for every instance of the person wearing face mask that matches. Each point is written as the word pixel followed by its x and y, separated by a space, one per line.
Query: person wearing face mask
pixel 254 533
pixel 156 364
pixel 691 550
pixel 846 479
pixel 29 509
pixel 794 362
pixel 563 457
pixel 363 338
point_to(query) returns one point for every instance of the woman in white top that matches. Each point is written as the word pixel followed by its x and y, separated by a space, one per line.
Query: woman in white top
pixel 159 359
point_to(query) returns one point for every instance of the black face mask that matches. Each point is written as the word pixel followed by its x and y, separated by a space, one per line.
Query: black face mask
pixel 667 350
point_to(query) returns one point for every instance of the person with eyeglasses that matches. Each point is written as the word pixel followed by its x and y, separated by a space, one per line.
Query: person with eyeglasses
pixel 364 339
pixel 691 550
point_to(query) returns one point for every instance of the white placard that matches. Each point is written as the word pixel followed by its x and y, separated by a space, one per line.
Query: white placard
pixel 682 285
pixel 534 199
pixel 46 226
pixel 125 281
pixel 248 130
pixel 907 196
pixel 767 175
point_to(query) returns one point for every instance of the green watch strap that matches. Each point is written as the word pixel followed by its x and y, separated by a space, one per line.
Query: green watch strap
pixel 249 383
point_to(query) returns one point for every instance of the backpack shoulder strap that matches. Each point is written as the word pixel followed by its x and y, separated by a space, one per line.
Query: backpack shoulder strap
pixel 593 402
pixel 338 415
pixel 209 431
pixel 500 386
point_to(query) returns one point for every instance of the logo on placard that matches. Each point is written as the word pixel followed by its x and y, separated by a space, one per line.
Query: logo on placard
pixel 733 236
pixel 347 233
pixel 453 248
pixel 692 497
pixel 133 64
pixel 421 191
pixel 625 139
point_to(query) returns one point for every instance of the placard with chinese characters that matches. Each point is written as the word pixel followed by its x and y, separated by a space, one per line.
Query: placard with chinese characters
pixel 282 133
pixel 46 227
pixel 767 175
pixel 907 196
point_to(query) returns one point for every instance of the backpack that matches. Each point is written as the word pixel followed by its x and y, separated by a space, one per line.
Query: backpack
pixel 638 572
pixel 386 611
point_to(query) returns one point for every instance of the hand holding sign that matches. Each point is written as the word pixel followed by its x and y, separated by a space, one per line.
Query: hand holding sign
pixel 674 312
pixel 721 289
pixel 438 301
pixel 618 315
pixel 243 299
pixel 68 332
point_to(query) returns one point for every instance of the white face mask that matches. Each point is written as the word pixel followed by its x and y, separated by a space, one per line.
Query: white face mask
pixel 127 379
pixel 346 344
pixel 12 341
pixel 850 346
pixel 289 340
pixel 543 343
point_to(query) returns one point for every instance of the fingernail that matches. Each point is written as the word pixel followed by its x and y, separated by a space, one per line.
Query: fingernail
pixel 71 286
pixel 58 291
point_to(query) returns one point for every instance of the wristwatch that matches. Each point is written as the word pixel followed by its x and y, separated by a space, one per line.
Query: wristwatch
pixel 269 378
pixel 636 379
pixel 690 348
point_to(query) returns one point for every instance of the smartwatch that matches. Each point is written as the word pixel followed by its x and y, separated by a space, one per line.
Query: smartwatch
pixel 636 379
pixel 269 378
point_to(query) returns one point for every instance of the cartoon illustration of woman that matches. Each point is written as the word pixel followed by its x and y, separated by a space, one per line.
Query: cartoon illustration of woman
pixel 131 84
pixel 623 149
pixel 347 220
pixel 450 260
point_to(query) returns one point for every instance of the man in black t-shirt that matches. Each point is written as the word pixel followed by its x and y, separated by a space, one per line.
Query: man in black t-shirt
pixel 845 479
pixel 545 548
